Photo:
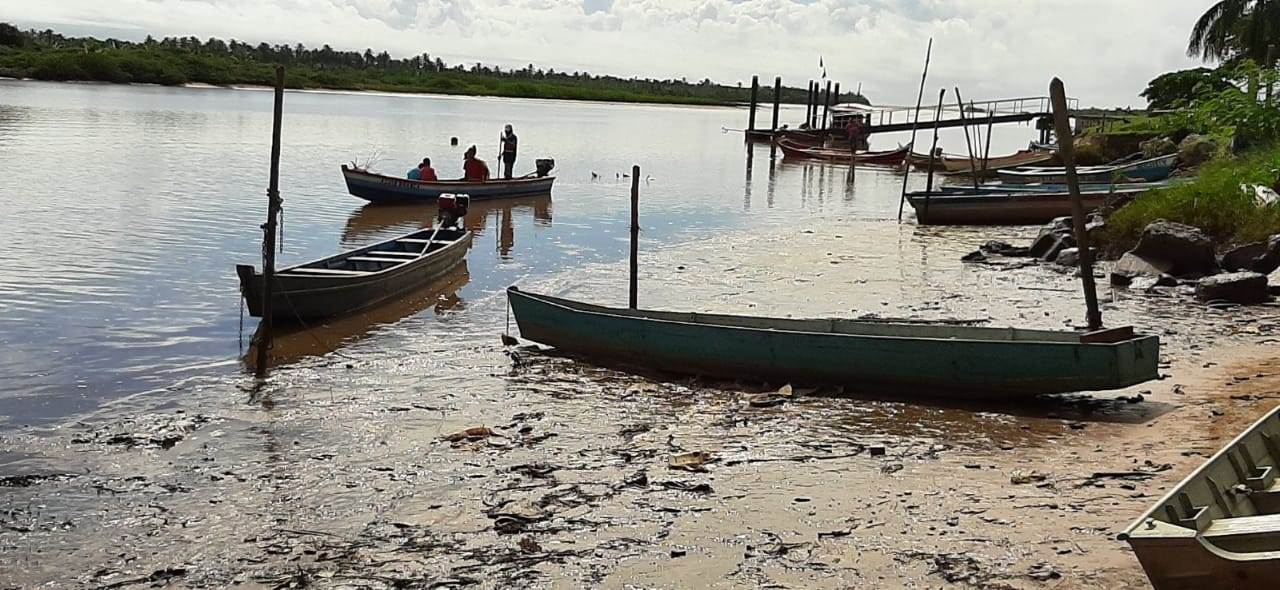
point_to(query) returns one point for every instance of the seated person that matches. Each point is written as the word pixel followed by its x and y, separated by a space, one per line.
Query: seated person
pixel 414 173
pixel 425 172
pixel 474 168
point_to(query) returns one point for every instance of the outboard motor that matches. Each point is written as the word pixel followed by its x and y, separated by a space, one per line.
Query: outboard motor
pixel 451 209
pixel 544 166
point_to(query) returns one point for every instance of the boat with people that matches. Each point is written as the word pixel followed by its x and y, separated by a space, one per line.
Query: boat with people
pixel 1009 205
pixel 1144 170
pixel 886 158
pixel 380 188
pixel 904 359
pixel 963 166
pixel 1220 526
pixel 359 278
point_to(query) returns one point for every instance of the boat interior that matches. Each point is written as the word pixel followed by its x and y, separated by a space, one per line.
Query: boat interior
pixel 1231 503
pixel 883 328
pixel 378 257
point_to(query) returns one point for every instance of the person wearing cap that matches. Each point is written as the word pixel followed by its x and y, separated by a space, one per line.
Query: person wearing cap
pixel 474 168
pixel 508 140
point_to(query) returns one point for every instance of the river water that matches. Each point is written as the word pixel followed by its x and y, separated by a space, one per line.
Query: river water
pixel 135 448
pixel 127 207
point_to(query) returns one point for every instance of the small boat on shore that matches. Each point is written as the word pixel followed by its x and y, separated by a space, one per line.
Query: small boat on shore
pixel 902 359
pixel 1148 170
pixel 886 158
pixel 356 279
pixel 1219 527
pixel 961 165
pixel 1007 205
pixel 379 188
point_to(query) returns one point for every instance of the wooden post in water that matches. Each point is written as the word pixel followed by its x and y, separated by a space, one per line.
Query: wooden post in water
pixel 1066 150
pixel 269 232
pixel 911 147
pixel 751 118
pixel 635 233
pixel 808 107
pixel 937 119
pixel 986 156
pixel 973 162
pixel 826 106
pixel 777 102
pixel 835 100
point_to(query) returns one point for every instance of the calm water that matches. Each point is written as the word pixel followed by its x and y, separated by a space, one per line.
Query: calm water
pixel 125 209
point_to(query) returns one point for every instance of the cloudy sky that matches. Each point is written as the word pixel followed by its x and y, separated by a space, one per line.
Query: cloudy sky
pixel 1106 50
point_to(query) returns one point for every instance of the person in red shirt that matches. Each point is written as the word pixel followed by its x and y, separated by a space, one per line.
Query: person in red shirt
pixel 474 168
pixel 425 172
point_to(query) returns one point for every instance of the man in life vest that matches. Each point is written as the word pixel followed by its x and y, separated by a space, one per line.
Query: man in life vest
pixel 508 141
pixel 474 168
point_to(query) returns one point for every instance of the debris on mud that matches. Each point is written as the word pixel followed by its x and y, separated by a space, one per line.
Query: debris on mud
pixel 148 431
pixel 692 461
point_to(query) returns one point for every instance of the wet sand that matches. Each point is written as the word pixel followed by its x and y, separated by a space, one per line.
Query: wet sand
pixel 339 472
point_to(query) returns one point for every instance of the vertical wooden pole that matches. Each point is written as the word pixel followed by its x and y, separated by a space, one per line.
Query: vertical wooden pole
pixel 1066 150
pixel 973 162
pixel 986 156
pixel 937 119
pixel 835 100
pixel 635 232
pixel 751 118
pixel 777 103
pixel 911 147
pixel 269 232
pixel 808 106
pixel 826 106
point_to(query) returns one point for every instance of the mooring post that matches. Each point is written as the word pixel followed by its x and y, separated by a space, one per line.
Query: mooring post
pixel 269 232
pixel 964 122
pixel 809 102
pixel 937 117
pixel 826 105
pixel 1066 150
pixel 986 156
pixel 911 147
pixel 751 118
pixel 777 103
pixel 635 231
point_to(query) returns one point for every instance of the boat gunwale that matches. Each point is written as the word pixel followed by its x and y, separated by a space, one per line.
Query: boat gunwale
pixel 556 302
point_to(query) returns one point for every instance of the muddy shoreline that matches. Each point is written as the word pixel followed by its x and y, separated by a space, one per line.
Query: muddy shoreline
pixel 345 471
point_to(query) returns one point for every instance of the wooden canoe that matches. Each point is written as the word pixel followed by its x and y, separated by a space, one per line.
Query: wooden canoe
pixel 1219 527
pixel 379 188
pixel 886 158
pixel 356 279
pixel 901 359
pixel 961 165
pixel 1149 170
pixel 960 206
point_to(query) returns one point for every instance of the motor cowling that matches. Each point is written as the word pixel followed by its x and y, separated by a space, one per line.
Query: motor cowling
pixel 450 209
pixel 543 166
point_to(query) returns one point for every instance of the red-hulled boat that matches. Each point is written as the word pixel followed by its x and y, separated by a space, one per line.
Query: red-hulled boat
pixel 885 158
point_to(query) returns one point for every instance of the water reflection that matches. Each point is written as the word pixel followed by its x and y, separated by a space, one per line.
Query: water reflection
pixel 372 221
pixel 294 343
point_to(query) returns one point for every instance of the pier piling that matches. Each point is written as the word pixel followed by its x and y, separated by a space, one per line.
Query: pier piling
pixel 751 118
pixel 1066 150
pixel 826 106
pixel 777 102
pixel 269 232
pixel 635 234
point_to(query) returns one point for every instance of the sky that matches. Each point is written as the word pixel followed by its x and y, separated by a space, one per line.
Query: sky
pixel 1104 50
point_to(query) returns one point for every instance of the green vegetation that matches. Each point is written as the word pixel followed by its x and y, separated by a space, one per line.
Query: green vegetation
pixel 1214 202
pixel 1175 89
pixel 46 55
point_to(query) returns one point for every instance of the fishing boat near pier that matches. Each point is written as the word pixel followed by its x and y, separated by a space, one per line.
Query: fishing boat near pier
pixel 1148 170
pixel 1007 206
pixel 379 188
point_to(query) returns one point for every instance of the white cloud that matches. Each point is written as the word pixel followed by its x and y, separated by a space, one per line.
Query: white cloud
pixel 1106 50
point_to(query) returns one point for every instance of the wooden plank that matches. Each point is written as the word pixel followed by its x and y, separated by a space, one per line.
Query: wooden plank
pixel 376 259
pixel 329 271
pixel 396 253
pixel 1266 524
pixel 1108 336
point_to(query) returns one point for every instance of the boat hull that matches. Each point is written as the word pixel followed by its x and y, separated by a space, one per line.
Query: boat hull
pixel 379 188
pixel 1150 170
pixel 1001 207
pixel 962 166
pixel 303 298
pixel 888 158
pixel 896 359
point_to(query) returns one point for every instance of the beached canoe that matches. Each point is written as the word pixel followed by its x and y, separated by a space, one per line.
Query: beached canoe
pixel 961 165
pixel 899 359
pixel 356 279
pixel 1219 527
pixel 966 206
pixel 886 158
pixel 1149 170
pixel 379 188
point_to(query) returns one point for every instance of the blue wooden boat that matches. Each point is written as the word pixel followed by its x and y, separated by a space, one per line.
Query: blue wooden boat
pixel 1219 527
pixel 379 188
pixel 1006 206
pixel 899 359
pixel 356 279
pixel 1148 170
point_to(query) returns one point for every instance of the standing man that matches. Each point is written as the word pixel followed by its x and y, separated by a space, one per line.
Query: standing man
pixel 508 140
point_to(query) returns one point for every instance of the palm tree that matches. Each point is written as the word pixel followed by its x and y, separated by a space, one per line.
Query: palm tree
pixel 1236 28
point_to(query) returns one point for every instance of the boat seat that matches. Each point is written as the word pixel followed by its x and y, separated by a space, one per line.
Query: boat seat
pixel 422 241
pixel 326 271
pixel 396 253
pixel 1265 524
pixel 376 259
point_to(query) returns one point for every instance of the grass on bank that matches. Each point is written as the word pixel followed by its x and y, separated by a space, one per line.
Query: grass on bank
pixel 1213 202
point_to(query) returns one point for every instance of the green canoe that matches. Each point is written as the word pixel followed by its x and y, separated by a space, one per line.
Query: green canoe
pixel 900 359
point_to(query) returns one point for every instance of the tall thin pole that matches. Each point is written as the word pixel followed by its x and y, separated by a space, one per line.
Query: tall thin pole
pixel 808 107
pixel 973 163
pixel 635 232
pixel 777 102
pixel 928 54
pixel 826 106
pixel 269 232
pixel 751 118
pixel 986 156
pixel 1066 150
pixel 937 117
